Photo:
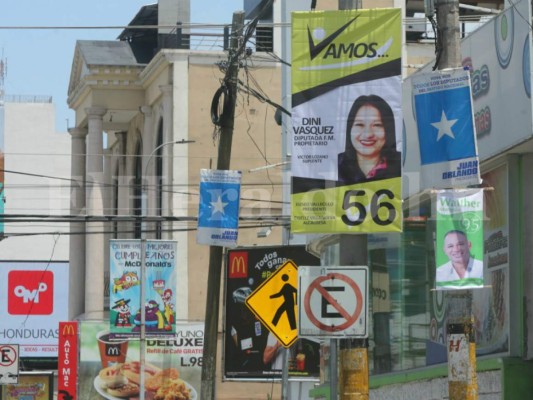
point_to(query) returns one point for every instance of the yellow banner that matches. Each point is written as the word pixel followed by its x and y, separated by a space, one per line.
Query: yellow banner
pixel 369 207
pixel 346 121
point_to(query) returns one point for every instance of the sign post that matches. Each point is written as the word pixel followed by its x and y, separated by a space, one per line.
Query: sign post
pixel 333 302
pixel 9 364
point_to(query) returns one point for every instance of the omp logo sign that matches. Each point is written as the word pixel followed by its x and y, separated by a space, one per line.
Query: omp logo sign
pixel 238 265
pixel 30 293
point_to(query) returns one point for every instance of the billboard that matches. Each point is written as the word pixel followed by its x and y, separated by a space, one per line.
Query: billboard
pixel 33 300
pixel 251 352
pixel 125 287
pixel 31 385
pixel 111 370
pixel 346 121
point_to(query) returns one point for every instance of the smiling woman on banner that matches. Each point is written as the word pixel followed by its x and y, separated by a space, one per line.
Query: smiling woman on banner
pixel 370 152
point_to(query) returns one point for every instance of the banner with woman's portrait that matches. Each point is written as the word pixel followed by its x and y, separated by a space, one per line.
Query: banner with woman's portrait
pixel 346 121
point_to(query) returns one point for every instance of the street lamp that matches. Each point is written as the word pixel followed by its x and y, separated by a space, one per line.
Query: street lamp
pixel 144 196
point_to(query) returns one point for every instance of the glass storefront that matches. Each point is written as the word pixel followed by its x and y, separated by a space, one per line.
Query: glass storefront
pixel 407 316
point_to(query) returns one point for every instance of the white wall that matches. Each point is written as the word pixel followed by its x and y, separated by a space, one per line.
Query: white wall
pixel 32 146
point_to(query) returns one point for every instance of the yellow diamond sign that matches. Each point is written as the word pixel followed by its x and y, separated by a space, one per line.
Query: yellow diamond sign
pixel 274 303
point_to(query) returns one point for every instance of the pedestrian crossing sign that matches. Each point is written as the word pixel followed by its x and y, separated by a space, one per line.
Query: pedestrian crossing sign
pixel 274 303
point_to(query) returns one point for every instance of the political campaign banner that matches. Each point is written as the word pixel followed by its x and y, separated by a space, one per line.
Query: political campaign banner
pixel 459 246
pixel 33 299
pixel 251 352
pixel 218 214
pixel 446 130
pixel 346 121
pixel 173 365
pixel 126 271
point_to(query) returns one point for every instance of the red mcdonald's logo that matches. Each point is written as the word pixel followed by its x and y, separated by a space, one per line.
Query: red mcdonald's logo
pixel 238 265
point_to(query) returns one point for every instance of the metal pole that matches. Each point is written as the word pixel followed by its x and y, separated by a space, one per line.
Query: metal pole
pixel 285 374
pixel 214 278
pixel 144 206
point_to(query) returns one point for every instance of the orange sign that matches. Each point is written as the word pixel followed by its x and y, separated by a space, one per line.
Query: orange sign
pixel 274 303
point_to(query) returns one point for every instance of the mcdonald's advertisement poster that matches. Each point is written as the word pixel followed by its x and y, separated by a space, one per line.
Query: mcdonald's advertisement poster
pixel 251 352
pixel 110 369
pixel 67 360
pixel 347 123
pixel 126 272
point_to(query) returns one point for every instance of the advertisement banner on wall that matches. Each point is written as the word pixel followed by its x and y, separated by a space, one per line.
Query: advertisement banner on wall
pixel 125 287
pixel 31 385
pixel 218 214
pixel 67 360
pixel 446 131
pixel 111 369
pixel 33 300
pixel 251 352
pixel 459 246
pixel 346 121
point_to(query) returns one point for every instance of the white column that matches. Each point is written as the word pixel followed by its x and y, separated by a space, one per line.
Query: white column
pixel 168 154
pixel 123 179
pixel 148 167
pixel 77 238
pixel 94 243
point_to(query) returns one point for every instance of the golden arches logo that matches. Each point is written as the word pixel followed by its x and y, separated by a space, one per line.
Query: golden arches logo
pixel 68 330
pixel 238 266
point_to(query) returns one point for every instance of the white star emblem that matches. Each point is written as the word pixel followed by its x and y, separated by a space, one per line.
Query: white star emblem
pixel 218 206
pixel 444 126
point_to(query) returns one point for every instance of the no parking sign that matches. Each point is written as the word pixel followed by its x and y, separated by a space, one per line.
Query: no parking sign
pixel 9 364
pixel 333 301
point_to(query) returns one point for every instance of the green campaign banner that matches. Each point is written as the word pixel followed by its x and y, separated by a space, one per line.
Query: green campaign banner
pixel 346 121
pixel 459 246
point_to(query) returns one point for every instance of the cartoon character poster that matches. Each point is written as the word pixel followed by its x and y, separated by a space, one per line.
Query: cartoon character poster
pixel 126 274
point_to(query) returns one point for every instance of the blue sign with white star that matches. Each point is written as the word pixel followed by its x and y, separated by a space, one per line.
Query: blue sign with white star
pixel 218 215
pixel 445 127
pixel 446 130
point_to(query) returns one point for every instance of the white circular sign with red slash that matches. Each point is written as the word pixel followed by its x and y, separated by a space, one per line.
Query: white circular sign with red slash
pixel 333 301
pixel 9 363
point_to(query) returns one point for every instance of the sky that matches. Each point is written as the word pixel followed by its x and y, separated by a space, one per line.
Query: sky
pixel 39 60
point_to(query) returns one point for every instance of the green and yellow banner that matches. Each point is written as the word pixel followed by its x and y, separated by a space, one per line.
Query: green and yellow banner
pixel 459 246
pixel 346 121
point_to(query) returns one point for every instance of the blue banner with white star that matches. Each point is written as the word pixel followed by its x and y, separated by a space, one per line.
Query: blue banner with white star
pixel 446 130
pixel 218 214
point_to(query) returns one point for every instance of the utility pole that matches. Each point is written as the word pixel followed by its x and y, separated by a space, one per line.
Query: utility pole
pixel 214 277
pixel 351 354
pixel 461 385
pixel 449 32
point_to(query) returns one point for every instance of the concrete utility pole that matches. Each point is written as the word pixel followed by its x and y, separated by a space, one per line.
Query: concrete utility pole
pixel 214 278
pixel 449 32
pixel 352 354
pixel 461 347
